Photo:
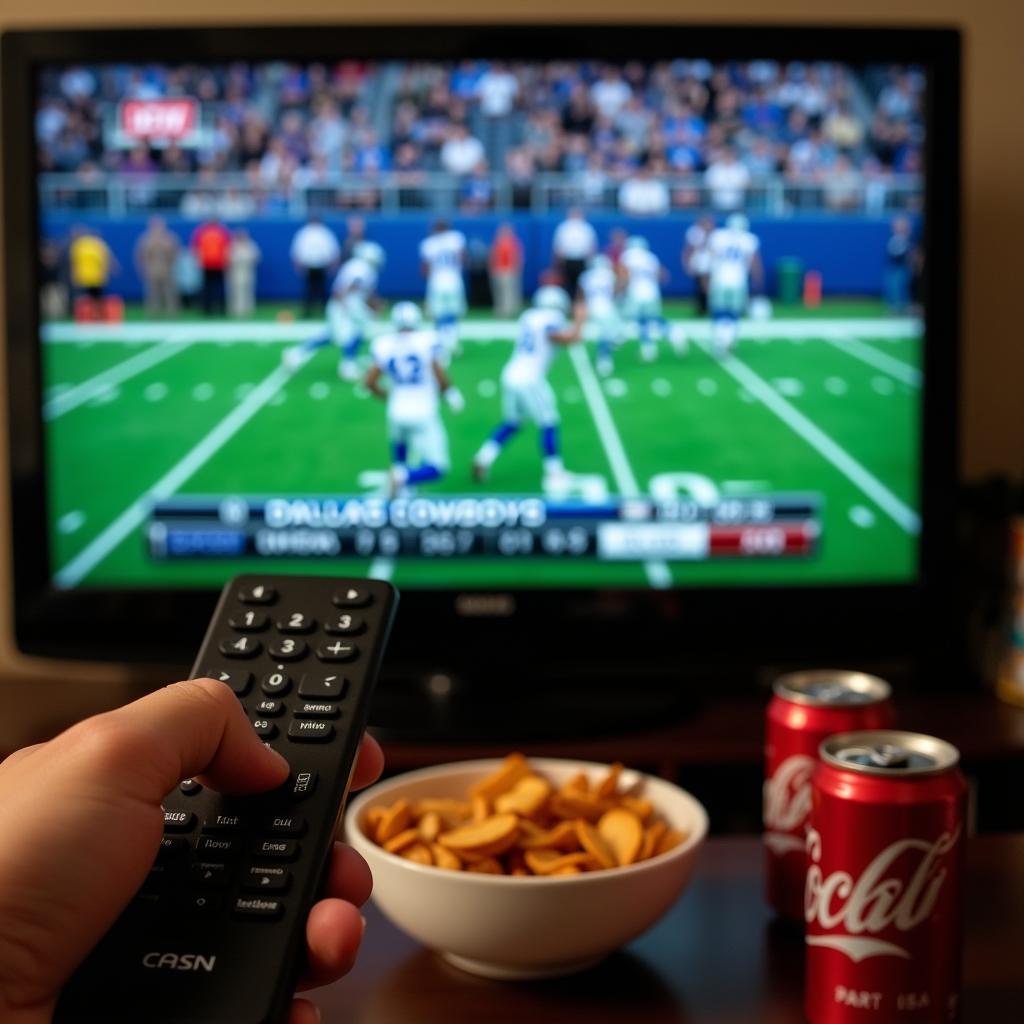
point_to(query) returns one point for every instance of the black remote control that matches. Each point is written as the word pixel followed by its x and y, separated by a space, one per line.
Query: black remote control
pixel 217 932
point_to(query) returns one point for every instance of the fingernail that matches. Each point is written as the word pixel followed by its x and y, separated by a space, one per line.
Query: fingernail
pixel 363 919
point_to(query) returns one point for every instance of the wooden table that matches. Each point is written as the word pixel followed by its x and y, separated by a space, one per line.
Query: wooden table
pixel 716 958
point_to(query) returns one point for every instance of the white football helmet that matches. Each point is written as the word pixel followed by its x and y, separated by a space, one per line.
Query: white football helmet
pixel 552 297
pixel 406 316
pixel 637 242
pixel 371 253
pixel 737 222
pixel 599 262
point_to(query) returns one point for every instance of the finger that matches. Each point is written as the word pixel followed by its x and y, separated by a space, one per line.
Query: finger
pixel 194 728
pixel 348 876
pixel 334 931
pixel 303 1012
pixel 20 755
pixel 369 765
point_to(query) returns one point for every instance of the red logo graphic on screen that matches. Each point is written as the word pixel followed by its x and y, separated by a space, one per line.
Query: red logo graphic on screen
pixel 159 119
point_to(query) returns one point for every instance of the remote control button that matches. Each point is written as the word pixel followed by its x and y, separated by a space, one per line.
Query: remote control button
pixel 258 909
pixel 276 682
pixel 240 647
pixel 190 787
pixel 310 730
pixel 276 849
pixel 258 593
pixel 336 650
pixel 159 876
pixel 210 875
pixel 288 649
pixel 266 878
pixel 172 847
pixel 146 899
pixel 204 904
pixel 269 708
pixel 238 681
pixel 248 621
pixel 286 825
pixel 323 687
pixel 264 728
pixel 178 821
pixel 302 784
pixel 316 709
pixel 345 624
pixel 224 823
pixel 217 847
pixel 296 622
pixel 352 597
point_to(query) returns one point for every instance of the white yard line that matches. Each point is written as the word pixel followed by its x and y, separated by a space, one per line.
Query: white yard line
pixel 111 377
pixel 658 573
pixel 904 516
pixel 134 515
pixel 272 332
pixel 879 360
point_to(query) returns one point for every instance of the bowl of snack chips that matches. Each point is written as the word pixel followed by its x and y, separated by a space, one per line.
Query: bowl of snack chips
pixel 521 868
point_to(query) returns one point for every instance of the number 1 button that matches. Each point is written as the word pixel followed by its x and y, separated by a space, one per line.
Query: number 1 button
pixel 323 687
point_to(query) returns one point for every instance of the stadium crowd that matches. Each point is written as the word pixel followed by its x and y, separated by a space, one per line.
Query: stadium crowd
pixel 643 138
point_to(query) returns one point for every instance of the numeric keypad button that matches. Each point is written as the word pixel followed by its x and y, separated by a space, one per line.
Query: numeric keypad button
pixel 240 647
pixel 288 649
pixel 296 622
pixel 345 624
pixel 275 683
pixel 248 621
pixel 323 686
pixel 337 650
pixel 352 597
pixel 238 680
pixel 257 593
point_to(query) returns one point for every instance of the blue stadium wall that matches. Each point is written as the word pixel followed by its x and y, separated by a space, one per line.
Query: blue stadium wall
pixel 848 251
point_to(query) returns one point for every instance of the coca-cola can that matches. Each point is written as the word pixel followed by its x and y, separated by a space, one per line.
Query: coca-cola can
pixel 806 708
pixel 884 898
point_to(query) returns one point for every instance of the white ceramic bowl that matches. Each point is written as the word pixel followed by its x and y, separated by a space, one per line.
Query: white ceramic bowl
pixel 526 927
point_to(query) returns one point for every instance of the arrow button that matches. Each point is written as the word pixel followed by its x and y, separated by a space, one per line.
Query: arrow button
pixel 266 878
pixel 238 680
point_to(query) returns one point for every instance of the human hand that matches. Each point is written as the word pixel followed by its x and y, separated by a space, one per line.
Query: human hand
pixel 63 883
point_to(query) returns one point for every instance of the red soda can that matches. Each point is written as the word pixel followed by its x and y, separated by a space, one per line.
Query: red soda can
pixel 884 899
pixel 805 709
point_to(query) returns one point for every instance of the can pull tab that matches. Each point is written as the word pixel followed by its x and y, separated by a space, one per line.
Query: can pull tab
pixel 889 756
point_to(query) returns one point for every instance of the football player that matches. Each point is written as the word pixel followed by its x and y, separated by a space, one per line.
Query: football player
pixel 597 288
pixel 409 359
pixel 641 273
pixel 350 311
pixel 735 264
pixel 442 254
pixel 525 391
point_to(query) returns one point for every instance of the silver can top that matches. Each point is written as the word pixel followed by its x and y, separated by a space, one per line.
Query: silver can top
pixel 889 752
pixel 832 687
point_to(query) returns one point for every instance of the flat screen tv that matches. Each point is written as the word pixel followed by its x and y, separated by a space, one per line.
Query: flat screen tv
pixel 627 353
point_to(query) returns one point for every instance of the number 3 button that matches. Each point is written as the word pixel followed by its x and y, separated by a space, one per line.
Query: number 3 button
pixel 287 649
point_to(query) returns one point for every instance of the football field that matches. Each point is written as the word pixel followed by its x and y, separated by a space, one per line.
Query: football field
pixel 824 403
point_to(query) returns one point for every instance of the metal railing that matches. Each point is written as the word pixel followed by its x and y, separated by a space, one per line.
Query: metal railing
pixel 237 197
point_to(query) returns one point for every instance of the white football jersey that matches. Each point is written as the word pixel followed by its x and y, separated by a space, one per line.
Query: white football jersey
pixel 442 254
pixel 355 277
pixel 598 287
pixel 731 255
pixel 407 358
pixel 534 351
pixel 643 273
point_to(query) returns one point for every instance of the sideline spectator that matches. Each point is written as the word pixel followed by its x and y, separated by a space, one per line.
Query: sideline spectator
pixel 355 232
pixel 506 265
pixel 243 257
pixel 188 278
pixel 315 252
pixel 644 195
pixel 727 181
pixel 211 243
pixel 574 243
pixel 92 263
pixel 697 258
pixel 155 255
pixel 53 293
pixel 899 258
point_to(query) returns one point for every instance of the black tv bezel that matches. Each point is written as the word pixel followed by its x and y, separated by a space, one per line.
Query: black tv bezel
pixel 666 632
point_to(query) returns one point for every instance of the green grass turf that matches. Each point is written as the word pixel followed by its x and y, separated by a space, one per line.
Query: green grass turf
pixel 319 433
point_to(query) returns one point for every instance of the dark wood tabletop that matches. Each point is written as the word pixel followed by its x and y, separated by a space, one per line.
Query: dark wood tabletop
pixel 717 957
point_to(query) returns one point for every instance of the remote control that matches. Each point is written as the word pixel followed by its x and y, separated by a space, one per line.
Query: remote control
pixel 217 932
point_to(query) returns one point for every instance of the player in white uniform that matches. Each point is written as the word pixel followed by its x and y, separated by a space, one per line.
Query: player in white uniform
pixel 409 359
pixel 349 311
pixel 525 391
pixel 597 288
pixel 442 254
pixel 735 262
pixel 643 274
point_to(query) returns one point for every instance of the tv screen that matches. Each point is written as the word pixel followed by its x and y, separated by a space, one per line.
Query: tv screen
pixel 483 323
